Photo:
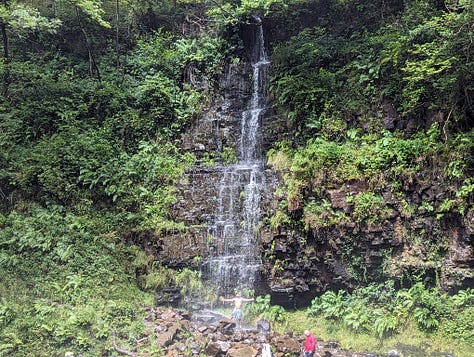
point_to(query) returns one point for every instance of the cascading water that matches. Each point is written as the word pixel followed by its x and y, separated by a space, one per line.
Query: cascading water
pixel 235 259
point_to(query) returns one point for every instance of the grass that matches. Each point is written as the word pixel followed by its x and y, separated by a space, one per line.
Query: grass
pixel 408 341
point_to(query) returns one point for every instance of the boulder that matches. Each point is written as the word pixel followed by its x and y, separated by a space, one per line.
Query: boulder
pixel 242 352
pixel 165 338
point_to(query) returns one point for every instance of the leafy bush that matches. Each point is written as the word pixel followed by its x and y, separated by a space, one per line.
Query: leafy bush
pixel 322 214
pixel 458 326
pixel 330 304
pixel 145 180
pixel 382 310
pixel 368 207
pixel 65 284
pixel 384 323
pixel 204 56
pixel 261 308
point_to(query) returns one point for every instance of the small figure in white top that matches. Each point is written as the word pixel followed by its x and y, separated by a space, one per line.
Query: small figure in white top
pixel 266 349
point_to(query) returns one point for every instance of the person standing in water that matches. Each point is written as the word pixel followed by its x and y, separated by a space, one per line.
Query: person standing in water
pixel 238 300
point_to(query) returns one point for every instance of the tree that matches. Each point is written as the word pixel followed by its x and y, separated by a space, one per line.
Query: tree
pixel 20 19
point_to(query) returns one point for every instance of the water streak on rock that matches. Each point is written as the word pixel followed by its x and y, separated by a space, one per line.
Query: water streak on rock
pixel 235 259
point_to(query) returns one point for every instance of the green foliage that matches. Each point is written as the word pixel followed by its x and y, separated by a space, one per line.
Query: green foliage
pixel 415 58
pixel 321 214
pixel 189 280
pixel 458 326
pixel 147 175
pixel 230 12
pixel 65 284
pixel 91 118
pixel 275 313
pixel 260 305
pixel 330 304
pixel 384 323
pixel 153 276
pixel 381 310
pixel 93 9
pixel 380 160
pixel 316 155
pixel 7 314
pixel 427 307
pixel 203 55
pixel 226 156
pixel 311 90
pixel 301 83
pixel 56 236
pixel 249 7
pixel 263 309
pixel 24 18
pixel 368 207
pixel 48 96
pixel 279 159
pixel 280 218
pixel 359 318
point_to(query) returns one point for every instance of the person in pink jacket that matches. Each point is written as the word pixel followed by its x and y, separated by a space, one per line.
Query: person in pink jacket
pixel 310 344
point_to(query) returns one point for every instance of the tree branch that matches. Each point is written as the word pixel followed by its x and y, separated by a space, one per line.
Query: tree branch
pixel 118 349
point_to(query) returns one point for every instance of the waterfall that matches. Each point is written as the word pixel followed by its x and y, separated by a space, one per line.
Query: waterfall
pixel 233 234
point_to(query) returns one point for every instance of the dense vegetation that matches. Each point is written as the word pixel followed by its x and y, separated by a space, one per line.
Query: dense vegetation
pixel 379 317
pixel 95 96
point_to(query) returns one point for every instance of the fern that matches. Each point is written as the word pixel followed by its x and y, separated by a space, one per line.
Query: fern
pixel 425 319
pixel 463 298
pixel 7 313
pixel 333 305
pixel 384 323
pixel 275 313
pixel 359 317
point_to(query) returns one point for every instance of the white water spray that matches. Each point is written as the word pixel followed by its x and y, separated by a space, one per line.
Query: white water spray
pixel 233 235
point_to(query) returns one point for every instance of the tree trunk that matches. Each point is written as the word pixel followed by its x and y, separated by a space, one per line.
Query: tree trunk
pixel 6 59
pixel 3 29
pixel 117 33
pixel 92 63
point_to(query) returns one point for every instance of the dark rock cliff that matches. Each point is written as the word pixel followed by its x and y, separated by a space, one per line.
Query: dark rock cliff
pixel 298 264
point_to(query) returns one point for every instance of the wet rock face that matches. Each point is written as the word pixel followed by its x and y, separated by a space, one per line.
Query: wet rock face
pixel 299 265
pixel 216 131
pixel 219 126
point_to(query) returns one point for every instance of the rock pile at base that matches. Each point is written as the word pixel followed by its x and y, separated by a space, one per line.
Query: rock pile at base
pixel 179 333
